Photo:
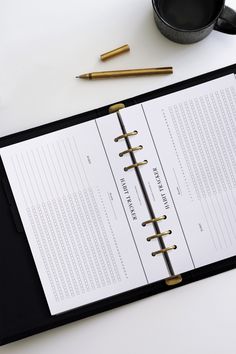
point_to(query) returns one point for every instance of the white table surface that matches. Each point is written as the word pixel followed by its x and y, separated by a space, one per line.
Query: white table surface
pixel 43 45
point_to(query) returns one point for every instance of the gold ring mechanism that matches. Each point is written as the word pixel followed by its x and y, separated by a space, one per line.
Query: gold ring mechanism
pixel 135 165
pixel 136 148
pixel 123 136
pixel 164 233
pixel 164 250
pixel 157 219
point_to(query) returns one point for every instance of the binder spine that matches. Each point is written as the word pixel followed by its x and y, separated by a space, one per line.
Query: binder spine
pixel 173 279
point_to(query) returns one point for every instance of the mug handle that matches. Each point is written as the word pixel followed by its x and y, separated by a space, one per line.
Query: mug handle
pixel 226 22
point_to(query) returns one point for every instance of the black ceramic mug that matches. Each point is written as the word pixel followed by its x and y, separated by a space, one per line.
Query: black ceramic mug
pixel 189 21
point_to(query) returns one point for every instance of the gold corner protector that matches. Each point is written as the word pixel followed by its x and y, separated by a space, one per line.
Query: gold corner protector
pixel 116 107
pixel 176 279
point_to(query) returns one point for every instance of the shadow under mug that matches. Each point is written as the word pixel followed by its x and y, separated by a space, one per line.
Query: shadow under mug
pixel 189 21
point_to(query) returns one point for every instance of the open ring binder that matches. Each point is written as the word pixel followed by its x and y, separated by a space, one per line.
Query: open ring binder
pixel 136 148
pixel 125 135
pixel 157 219
pixel 164 233
pixel 30 313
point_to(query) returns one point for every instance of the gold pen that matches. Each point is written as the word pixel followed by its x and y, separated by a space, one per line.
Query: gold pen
pixel 125 73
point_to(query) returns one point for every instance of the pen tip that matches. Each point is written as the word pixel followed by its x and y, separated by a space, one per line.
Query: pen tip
pixel 83 76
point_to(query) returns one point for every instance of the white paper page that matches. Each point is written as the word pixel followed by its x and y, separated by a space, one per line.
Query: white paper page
pixel 194 145
pixel 74 219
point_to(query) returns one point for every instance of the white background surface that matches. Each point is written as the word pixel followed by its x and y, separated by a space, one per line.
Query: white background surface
pixel 43 45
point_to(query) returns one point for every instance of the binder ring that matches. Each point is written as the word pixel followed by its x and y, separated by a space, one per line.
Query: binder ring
pixel 140 147
pixel 164 233
pixel 157 219
pixel 135 165
pixel 164 250
pixel 123 136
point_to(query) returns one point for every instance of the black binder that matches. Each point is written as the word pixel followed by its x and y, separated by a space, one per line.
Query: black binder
pixel 23 306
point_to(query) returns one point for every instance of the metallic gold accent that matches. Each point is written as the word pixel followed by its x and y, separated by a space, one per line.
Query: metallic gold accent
pixel 123 136
pixel 84 76
pixel 164 233
pixel 116 107
pixel 115 52
pixel 125 73
pixel 136 148
pixel 159 218
pixel 176 279
pixel 164 250
pixel 135 165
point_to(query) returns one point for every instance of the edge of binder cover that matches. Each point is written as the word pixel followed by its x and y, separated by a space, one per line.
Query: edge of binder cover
pixel 126 298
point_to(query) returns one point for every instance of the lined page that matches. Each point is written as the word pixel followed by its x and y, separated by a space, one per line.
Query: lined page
pixel 73 216
pixel 189 140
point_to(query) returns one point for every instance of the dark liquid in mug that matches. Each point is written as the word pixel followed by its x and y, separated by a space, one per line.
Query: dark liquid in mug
pixel 189 14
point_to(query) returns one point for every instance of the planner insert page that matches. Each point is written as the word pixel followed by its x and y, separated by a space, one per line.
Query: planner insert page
pixel 83 213
pixel 190 143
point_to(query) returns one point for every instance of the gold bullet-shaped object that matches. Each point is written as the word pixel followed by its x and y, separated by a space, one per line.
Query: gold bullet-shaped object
pixel 115 52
